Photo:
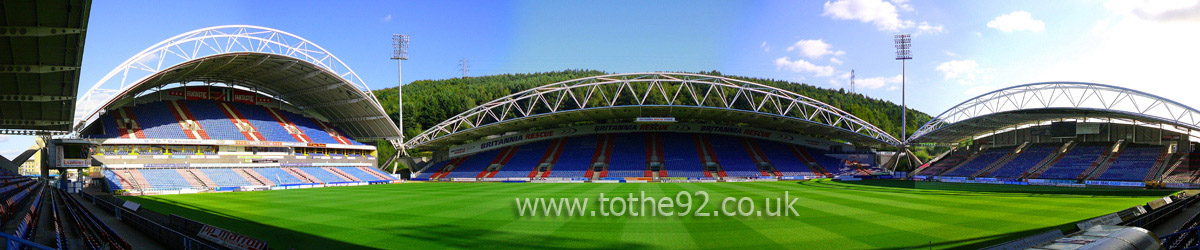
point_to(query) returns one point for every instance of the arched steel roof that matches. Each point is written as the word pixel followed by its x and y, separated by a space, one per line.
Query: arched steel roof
pixel 621 96
pixel 266 60
pixel 1048 101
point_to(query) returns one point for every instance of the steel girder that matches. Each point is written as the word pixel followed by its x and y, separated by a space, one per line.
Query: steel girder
pixel 652 89
pixel 1047 99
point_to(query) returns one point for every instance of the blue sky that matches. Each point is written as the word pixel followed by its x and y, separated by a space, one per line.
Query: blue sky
pixel 961 48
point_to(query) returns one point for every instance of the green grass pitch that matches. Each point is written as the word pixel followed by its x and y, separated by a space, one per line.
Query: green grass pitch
pixel 833 215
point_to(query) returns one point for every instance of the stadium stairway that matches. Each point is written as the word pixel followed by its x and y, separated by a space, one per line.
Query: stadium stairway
pixel 1164 160
pixel 980 161
pixel 974 155
pixel 190 126
pixel 602 157
pixel 706 156
pixel 191 179
pixel 655 157
pixel 254 177
pixel 202 178
pixel 1029 157
pixel 812 162
pixel 288 125
pixel 1053 159
pixel 302 175
pixel 524 158
pixel 248 130
pixel 1106 160
pixel 784 159
pixel 130 129
pixel 342 174
pixel 1004 160
pixel 576 157
pixel 376 173
pixel 1083 156
pixel 759 158
pixel 324 176
pixel 549 158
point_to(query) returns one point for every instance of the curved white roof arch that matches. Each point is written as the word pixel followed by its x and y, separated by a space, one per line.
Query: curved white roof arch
pixel 1049 101
pixel 639 94
pixel 191 55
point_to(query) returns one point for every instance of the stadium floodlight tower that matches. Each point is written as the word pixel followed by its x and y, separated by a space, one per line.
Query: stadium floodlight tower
pixel 400 53
pixel 903 44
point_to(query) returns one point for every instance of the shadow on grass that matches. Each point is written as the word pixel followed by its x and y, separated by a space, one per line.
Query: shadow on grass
pixel 973 189
pixel 276 237
pixel 432 236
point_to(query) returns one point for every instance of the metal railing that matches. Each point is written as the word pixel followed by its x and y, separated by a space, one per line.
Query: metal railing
pixel 172 238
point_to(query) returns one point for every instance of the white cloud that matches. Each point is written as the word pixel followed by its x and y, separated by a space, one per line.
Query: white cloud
pixel 928 29
pixel 802 66
pixel 765 47
pixel 882 14
pixel 902 5
pixel 948 53
pixel 967 72
pixel 1158 10
pixel 879 82
pixel 385 19
pixel 1017 21
pixel 814 48
pixel 3 138
pixel 835 61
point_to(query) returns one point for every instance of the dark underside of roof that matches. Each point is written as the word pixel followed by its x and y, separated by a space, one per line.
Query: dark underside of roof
pixel 41 48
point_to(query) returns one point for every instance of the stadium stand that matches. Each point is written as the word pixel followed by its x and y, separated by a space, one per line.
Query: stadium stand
pixel 832 165
pixel 732 156
pixel 163 179
pixel 680 157
pixel 157 122
pixel 309 127
pixel 785 159
pixel 525 158
pixel 214 121
pixel 225 177
pixel 576 158
pixel 1074 162
pixel 1028 158
pixel 628 159
pixel 1133 163
pixel 951 160
pixel 279 176
pixel 323 175
pixel 985 159
pixel 261 120
pixel 474 164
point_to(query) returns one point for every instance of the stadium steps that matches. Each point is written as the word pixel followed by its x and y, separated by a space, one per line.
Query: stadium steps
pixel 191 179
pixel 929 163
pixel 303 176
pixel 341 173
pixel 184 120
pixel 248 130
pixel 132 128
pixel 1164 159
pixel 254 176
pixel 655 156
pixel 969 159
pixel 1003 160
pixel 549 158
pixel 1035 171
pixel 1106 160
pixel 279 120
pixel 756 155
pixel 289 125
pixel 333 133
pixel 705 153
pixel 202 178
pixel 812 162
pixel 139 181
pixel 604 147
pixel 376 173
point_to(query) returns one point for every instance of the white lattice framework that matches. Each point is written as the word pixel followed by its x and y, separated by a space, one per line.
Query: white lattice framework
pixel 202 43
pixel 1067 95
pixel 653 89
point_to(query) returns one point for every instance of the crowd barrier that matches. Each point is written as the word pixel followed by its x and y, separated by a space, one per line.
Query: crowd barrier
pixel 169 237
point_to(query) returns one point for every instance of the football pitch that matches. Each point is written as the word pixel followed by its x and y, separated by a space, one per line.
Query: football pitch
pixel 831 215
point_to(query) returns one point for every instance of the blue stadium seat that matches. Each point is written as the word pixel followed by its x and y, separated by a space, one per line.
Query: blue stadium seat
pixel 214 121
pixel 680 157
pixel 733 157
pixel 164 179
pixel 358 173
pixel 225 177
pixel 475 164
pixel 781 156
pixel 576 157
pixel 309 127
pixel 278 176
pixel 323 175
pixel 1029 157
pixel 157 122
pixel 526 158
pixel 628 156
pixel 833 165
pixel 1071 165
pixel 1133 164
pixel 264 123
pixel 982 161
